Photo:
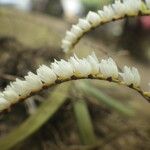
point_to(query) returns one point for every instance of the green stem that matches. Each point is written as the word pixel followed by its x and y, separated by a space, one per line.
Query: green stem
pixel 84 123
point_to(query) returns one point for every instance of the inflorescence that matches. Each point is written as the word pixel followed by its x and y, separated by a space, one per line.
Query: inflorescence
pixel 109 13
pixel 74 68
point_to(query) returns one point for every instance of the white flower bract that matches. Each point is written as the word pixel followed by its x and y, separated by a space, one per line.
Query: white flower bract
pixel 93 18
pixel 131 76
pixel 66 45
pixel 46 74
pixel 93 61
pixel 34 82
pixel 108 13
pixel 20 87
pixel 119 9
pixel 132 7
pixel 11 95
pixel 70 36
pixel 81 67
pixel 84 24
pixel 77 31
pixel 62 68
pixel 109 68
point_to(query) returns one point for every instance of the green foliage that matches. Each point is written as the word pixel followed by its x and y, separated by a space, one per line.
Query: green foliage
pixel 34 122
pixel 107 100
pixel 97 4
pixel 84 122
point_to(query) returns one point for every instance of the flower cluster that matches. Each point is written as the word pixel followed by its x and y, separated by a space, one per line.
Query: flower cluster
pixel 111 12
pixel 64 70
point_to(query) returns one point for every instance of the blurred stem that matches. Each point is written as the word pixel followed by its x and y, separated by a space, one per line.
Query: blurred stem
pixel 84 123
pixel 109 101
pixel 45 111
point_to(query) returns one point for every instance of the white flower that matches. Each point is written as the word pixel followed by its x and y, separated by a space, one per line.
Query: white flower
pixel 62 68
pixel 102 15
pixel 34 82
pixel 10 95
pixel 84 24
pixel 93 18
pixel 46 74
pixel 1 94
pixel 21 88
pixel 132 7
pixel 77 31
pixel 109 68
pixel 108 12
pixel 131 76
pixel 93 61
pixel 4 104
pixel 71 37
pixel 66 45
pixel 81 67
pixel 119 9
pixel 147 3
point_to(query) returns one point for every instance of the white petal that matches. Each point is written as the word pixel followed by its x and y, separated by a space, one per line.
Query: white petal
pixel 62 68
pixel 77 31
pixel 34 82
pixel 109 68
pixel 132 6
pixel 114 68
pixel 46 74
pixel 66 45
pixel 93 61
pixel 93 18
pixel 108 13
pixel 105 68
pixel 131 76
pixel 81 67
pixel 11 95
pixel 21 88
pixel 119 9
pixel 71 37
pixel 84 24
pixel 102 15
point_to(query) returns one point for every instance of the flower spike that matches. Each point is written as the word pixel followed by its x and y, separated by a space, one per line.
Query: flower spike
pixel 62 71
pixel 118 10
pixel 131 76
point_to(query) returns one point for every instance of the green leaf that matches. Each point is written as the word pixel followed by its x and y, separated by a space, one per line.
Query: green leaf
pixel 96 2
pixel 84 122
pixel 107 100
pixel 34 122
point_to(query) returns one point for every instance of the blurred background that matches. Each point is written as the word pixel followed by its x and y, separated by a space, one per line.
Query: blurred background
pixel 72 116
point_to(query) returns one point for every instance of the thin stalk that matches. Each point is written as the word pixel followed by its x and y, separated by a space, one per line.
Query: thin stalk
pixel 84 122
pixel 146 95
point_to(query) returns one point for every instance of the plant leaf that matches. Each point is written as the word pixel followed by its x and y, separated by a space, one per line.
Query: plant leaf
pixel 84 122
pixel 109 101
